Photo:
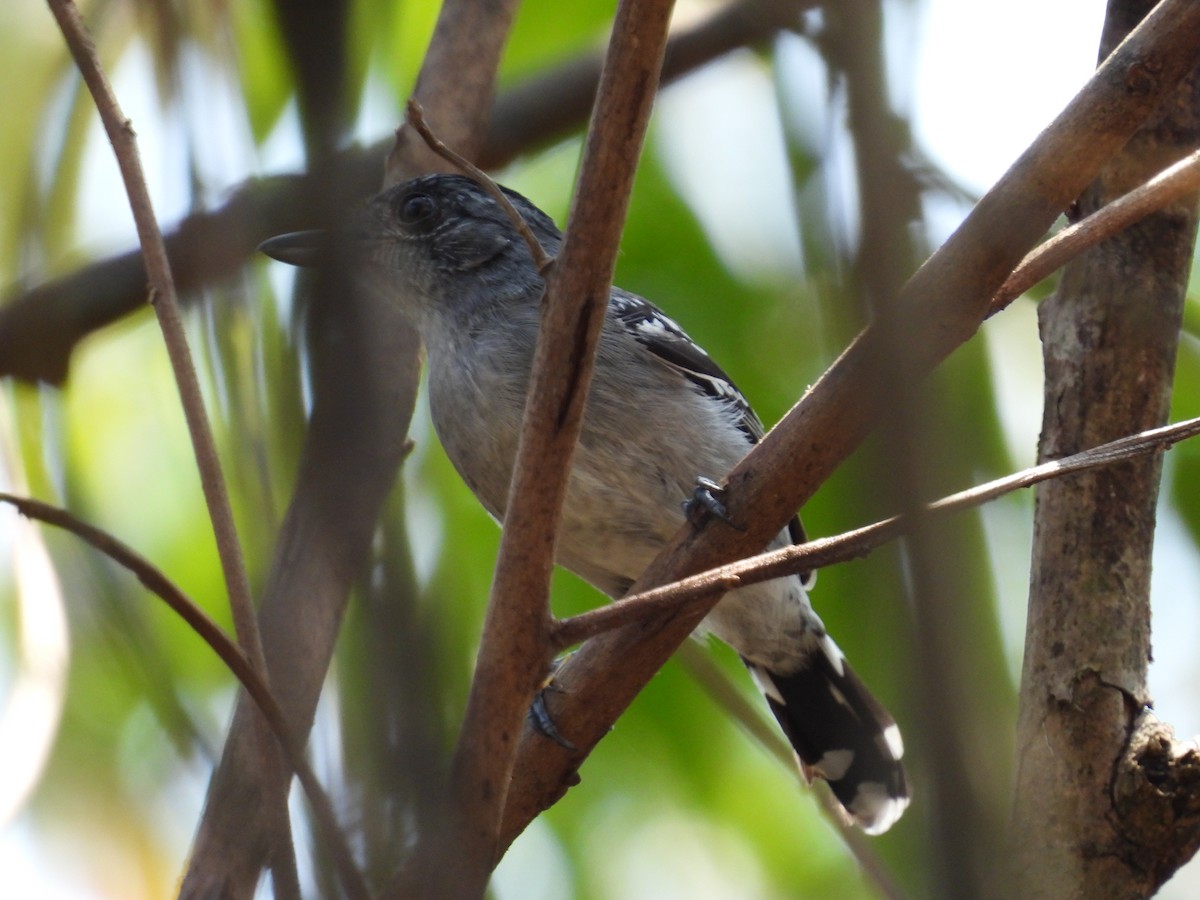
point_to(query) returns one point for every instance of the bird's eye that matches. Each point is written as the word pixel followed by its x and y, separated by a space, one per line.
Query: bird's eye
pixel 415 208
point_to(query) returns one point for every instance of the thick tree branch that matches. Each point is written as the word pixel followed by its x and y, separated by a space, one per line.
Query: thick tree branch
pixel 515 648
pixel 1109 337
pixel 939 308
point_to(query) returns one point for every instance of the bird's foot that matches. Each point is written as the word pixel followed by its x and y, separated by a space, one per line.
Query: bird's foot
pixel 539 715
pixel 706 500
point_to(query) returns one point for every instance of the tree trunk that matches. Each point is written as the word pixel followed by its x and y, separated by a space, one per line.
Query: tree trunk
pixel 1109 337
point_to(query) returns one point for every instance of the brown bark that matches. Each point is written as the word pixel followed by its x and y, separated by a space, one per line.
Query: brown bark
pixel 939 308
pixel 1085 742
pixel 365 370
pixel 516 645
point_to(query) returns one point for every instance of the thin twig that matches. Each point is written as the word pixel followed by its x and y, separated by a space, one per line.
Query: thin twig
pixel 155 581
pixel 1164 188
pixel 853 544
pixel 416 118
pixel 166 307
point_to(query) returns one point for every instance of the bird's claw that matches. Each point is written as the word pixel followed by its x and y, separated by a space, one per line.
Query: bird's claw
pixel 539 715
pixel 706 501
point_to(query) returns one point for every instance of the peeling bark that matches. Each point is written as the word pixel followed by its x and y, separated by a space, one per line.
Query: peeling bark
pixel 1109 337
pixel 1156 796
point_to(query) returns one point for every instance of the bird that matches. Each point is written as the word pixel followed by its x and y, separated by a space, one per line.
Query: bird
pixel 660 414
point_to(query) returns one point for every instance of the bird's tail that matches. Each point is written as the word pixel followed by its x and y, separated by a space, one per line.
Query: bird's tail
pixel 842 734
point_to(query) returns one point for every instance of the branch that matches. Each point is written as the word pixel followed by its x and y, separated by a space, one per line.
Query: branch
pixel 940 308
pixel 40 328
pixel 1110 334
pixel 1160 191
pixel 153 579
pixel 855 544
pixel 515 647
pixel 166 307
pixel 365 371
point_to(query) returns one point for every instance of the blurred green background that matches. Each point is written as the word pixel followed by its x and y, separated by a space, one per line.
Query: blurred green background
pixel 745 225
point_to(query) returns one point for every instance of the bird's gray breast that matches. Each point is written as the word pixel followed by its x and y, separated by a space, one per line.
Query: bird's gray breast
pixel 476 400
pixel 647 433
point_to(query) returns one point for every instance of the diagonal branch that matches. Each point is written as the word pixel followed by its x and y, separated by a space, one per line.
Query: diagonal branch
pixel 515 647
pixel 40 328
pixel 166 307
pixel 940 308
pixel 212 481
pixel 365 369
pixel 153 579
pixel 855 544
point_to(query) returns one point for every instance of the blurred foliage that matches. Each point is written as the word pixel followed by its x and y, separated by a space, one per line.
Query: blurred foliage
pixel 679 801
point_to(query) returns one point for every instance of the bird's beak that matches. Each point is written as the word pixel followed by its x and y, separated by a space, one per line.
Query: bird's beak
pixel 297 248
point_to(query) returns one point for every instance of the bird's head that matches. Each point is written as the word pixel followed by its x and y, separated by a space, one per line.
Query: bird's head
pixel 437 244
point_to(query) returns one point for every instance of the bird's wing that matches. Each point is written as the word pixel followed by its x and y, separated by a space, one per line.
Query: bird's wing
pixel 663 337
pixel 659 333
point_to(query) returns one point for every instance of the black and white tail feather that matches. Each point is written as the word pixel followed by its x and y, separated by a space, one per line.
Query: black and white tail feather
pixel 840 733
